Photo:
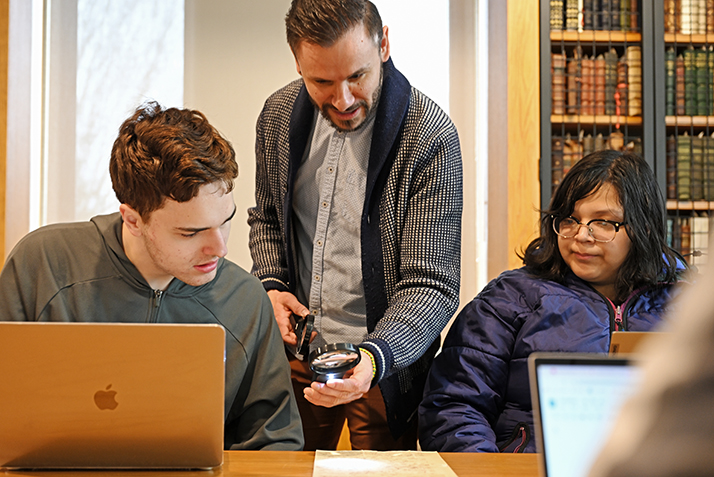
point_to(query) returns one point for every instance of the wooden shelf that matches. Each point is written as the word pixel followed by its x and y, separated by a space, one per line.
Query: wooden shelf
pixel 698 39
pixel 603 120
pixel 598 36
pixel 687 121
pixel 689 205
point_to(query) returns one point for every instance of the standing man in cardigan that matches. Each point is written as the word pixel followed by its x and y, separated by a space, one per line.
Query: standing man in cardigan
pixel 357 221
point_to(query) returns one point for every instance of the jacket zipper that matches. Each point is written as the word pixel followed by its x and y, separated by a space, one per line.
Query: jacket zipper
pixel 618 318
pixel 155 305
pixel 520 437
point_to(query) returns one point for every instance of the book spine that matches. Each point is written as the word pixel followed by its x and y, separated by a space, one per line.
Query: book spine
pixel 686 18
pixel 588 145
pixel 701 82
pixel 690 74
pixel 588 86
pixel 588 21
pixel 605 14
pixel 557 62
pixel 621 91
pixel 669 17
pixel 556 14
pixel 615 14
pixel 597 15
pixel 574 84
pixel 600 85
pixel 611 60
pixel 696 172
pixel 700 238
pixel 684 147
pixel 710 79
pixel 625 15
pixel 571 15
pixel 634 16
pixel 685 232
pixel 669 81
pixel 633 55
pixel 671 167
pixel 701 18
pixel 679 86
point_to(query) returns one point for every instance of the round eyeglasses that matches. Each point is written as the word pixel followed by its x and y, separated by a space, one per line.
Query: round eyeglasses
pixel 600 230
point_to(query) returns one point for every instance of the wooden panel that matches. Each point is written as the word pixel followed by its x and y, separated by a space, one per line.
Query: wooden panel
pixel 4 18
pixel 595 36
pixel 523 125
pixel 599 119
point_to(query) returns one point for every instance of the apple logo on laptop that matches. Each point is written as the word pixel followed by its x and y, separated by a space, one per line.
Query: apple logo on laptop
pixel 105 399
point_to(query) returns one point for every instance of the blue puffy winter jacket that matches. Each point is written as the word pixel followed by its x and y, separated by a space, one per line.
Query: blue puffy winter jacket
pixel 477 396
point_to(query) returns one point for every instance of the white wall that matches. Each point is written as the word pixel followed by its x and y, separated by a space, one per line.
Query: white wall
pixel 236 56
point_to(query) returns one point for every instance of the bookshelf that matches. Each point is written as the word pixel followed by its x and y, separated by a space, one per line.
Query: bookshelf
pixel 684 64
pixel 653 61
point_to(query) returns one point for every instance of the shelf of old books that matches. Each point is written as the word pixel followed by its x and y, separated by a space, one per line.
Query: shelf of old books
pixel 689 122
pixel 595 55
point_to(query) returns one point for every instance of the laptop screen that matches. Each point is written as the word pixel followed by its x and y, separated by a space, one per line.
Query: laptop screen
pixel 577 399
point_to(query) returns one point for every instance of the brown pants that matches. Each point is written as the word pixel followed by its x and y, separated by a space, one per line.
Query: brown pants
pixel 366 418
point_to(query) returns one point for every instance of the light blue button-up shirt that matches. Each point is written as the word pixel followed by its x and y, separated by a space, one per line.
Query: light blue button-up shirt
pixel 327 207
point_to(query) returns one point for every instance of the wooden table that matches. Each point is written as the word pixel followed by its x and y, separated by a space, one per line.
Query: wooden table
pixel 299 464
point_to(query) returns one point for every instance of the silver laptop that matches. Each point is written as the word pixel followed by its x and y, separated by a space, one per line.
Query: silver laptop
pixel 576 399
pixel 111 395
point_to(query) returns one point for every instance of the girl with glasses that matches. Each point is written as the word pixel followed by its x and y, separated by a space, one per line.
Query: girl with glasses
pixel 600 264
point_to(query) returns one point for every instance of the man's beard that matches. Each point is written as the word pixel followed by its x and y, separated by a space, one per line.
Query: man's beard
pixel 369 111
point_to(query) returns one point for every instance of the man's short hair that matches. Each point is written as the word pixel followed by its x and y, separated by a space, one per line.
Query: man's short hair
pixel 323 22
pixel 168 153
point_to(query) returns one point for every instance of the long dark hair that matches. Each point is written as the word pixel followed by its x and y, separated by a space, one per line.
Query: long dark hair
pixel 649 260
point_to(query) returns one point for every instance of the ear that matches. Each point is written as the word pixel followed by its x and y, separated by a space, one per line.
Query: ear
pixel 132 220
pixel 384 46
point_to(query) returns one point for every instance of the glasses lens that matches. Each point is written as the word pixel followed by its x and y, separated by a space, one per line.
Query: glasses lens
pixel 602 230
pixel 566 227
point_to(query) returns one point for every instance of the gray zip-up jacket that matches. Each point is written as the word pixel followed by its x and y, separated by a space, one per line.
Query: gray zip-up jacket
pixel 79 272
pixel 410 228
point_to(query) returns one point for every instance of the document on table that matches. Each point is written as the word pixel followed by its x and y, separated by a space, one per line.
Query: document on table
pixel 380 463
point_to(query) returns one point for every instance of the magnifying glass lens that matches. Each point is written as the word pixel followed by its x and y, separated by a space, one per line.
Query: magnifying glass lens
pixel 332 361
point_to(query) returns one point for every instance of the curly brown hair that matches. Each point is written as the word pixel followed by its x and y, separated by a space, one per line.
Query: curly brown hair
pixel 168 153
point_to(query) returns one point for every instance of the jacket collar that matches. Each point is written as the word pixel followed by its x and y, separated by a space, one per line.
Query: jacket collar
pixel 391 113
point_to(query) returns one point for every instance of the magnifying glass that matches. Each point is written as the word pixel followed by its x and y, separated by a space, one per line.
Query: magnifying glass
pixel 332 361
pixel 303 330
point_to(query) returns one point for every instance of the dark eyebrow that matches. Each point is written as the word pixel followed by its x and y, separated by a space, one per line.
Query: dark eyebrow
pixel 201 229
pixel 360 71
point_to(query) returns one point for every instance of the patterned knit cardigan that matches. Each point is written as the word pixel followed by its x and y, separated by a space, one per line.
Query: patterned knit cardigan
pixel 410 226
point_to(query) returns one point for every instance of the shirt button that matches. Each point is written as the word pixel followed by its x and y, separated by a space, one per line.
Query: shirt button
pixel 319 243
pixel 324 204
pixel 317 278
